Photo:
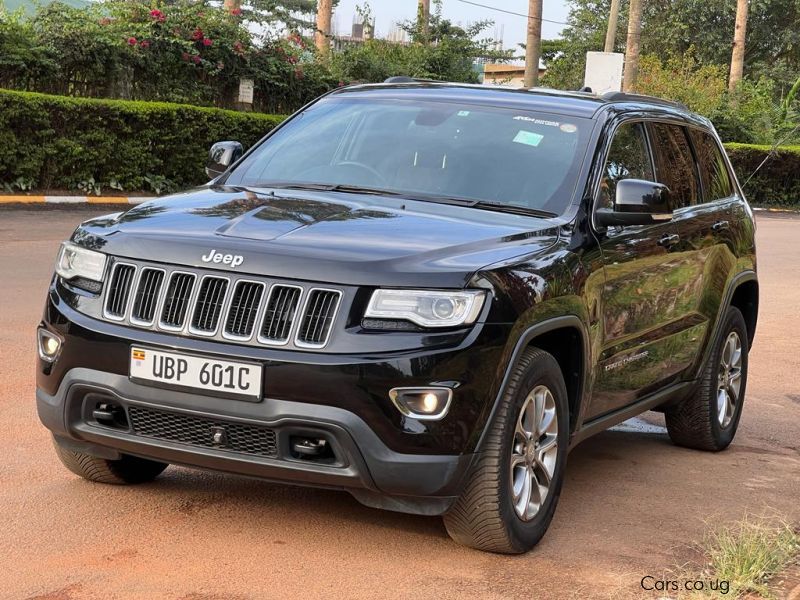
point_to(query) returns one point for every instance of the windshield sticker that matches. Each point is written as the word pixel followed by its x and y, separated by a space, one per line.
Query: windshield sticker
pixel 463 113
pixel 568 128
pixel 528 138
pixel 537 121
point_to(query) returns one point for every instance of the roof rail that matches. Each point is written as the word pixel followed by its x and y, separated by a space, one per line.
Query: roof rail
pixel 401 79
pixel 625 97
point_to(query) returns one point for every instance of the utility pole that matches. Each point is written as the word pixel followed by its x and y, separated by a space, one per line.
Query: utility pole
pixel 533 44
pixel 611 32
pixel 737 56
pixel 631 72
pixel 324 13
pixel 424 17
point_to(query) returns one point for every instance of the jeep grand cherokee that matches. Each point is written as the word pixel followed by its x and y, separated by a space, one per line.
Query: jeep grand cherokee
pixel 424 294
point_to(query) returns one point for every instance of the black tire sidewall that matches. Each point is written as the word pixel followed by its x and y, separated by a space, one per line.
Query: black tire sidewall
pixel 734 321
pixel 542 371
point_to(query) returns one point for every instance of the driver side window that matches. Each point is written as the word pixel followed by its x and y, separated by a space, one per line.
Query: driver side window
pixel 628 158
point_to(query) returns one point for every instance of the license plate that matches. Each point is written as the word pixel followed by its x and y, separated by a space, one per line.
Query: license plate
pixel 216 377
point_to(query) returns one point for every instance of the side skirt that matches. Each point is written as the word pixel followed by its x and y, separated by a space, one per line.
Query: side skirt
pixel 673 393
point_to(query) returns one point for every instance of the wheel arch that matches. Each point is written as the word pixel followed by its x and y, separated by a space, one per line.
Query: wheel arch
pixel 744 296
pixel 566 339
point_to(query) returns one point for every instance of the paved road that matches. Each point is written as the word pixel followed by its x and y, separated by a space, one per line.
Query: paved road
pixel 632 504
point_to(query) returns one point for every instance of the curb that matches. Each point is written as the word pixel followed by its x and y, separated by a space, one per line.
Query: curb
pixel 24 199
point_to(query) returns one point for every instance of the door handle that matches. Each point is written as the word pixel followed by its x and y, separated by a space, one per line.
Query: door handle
pixel 669 240
pixel 720 225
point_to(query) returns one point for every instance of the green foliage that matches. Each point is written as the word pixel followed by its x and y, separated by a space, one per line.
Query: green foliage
pixel 776 182
pixel 751 115
pixel 57 142
pixel 188 51
pixel 446 52
pixel 681 78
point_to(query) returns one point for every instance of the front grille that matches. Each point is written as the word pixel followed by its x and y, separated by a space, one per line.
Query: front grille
pixel 239 308
pixel 119 291
pixel 320 309
pixel 204 432
pixel 208 306
pixel 145 301
pixel 279 315
pixel 176 303
pixel 244 307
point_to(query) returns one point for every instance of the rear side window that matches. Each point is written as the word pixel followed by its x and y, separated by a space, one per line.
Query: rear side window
pixel 628 158
pixel 675 166
pixel 713 170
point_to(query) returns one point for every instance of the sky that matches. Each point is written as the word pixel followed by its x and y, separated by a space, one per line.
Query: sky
pixel 388 12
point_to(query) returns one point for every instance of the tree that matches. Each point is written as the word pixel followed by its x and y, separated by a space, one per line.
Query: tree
pixel 324 13
pixel 424 16
pixel 533 43
pixel 633 46
pixel 737 55
pixel 613 23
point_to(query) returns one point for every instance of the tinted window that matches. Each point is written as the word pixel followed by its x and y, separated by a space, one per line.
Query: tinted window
pixel 713 170
pixel 675 163
pixel 627 159
pixel 427 149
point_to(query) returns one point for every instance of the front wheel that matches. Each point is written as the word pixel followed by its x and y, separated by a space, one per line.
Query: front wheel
pixel 513 488
pixel 125 470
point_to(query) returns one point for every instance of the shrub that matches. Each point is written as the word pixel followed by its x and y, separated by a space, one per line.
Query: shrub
pixel 776 183
pixel 60 142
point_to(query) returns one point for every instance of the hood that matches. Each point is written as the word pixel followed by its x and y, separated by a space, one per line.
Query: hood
pixel 349 239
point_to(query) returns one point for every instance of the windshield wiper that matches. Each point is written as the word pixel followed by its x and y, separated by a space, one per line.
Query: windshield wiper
pixel 513 209
pixel 328 187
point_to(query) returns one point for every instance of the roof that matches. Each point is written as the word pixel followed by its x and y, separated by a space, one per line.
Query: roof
pixel 578 104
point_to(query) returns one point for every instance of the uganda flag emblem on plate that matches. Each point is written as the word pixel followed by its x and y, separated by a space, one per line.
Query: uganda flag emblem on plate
pixel 138 354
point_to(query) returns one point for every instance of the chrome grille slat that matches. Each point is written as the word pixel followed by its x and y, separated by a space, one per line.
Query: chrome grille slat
pixel 245 303
pixel 176 301
pixel 119 291
pixel 280 314
pixel 208 305
pixel 145 300
pixel 320 311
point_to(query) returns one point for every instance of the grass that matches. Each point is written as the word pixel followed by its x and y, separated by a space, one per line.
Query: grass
pixel 746 554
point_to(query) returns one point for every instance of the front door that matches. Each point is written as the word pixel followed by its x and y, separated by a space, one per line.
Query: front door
pixel 642 297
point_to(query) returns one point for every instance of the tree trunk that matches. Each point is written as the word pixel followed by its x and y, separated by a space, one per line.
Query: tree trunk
pixel 533 46
pixel 632 49
pixel 230 5
pixel 424 16
pixel 321 37
pixel 737 56
pixel 613 21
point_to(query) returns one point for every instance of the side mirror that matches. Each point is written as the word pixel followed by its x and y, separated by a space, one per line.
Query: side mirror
pixel 637 202
pixel 221 156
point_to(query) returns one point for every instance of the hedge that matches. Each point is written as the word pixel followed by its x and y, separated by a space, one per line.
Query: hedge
pixel 58 142
pixel 777 183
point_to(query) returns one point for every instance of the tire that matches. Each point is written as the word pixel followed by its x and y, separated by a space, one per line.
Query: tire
pixel 486 516
pixel 698 422
pixel 126 470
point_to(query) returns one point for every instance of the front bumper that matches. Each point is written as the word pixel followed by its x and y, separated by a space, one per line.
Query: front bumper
pixel 382 458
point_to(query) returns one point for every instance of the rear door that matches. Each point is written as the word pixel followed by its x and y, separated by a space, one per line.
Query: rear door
pixel 706 248
pixel 639 305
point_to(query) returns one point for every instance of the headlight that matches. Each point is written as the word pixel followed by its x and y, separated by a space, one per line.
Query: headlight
pixel 427 308
pixel 76 261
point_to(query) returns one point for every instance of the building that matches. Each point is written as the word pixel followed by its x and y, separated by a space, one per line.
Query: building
pixel 511 75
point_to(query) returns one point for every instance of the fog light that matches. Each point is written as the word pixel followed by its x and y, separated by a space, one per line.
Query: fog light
pixel 49 345
pixel 422 403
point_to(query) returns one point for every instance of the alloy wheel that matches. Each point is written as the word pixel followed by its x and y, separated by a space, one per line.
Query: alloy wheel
pixel 729 381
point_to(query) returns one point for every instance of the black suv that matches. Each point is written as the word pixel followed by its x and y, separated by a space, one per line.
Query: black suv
pixel 424 294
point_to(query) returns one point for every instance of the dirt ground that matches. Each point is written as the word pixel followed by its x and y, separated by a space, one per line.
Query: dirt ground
pixel 632 504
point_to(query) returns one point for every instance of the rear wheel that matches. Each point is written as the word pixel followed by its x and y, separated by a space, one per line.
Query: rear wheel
pixel 126 470
pixel 708 420
pixel 512 490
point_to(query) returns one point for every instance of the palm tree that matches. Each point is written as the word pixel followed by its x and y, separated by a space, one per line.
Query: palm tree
pixel 324 14
pixel 533 46
pixel 632 49
pixel 737 56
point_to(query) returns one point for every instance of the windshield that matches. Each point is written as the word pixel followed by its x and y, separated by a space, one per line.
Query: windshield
pixel 427 150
